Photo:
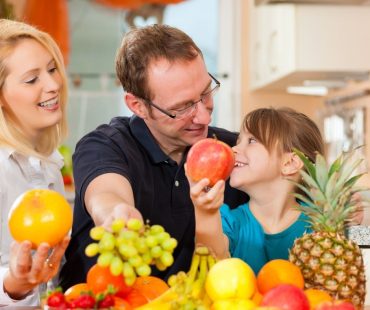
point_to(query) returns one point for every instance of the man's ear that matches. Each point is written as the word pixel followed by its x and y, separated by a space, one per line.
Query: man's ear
pixel 291 164
pixel 136 105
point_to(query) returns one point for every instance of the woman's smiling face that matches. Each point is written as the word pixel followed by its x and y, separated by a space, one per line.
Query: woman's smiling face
pixel 30 93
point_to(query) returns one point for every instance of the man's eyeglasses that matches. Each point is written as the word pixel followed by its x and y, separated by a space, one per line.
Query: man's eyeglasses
pixel 191 107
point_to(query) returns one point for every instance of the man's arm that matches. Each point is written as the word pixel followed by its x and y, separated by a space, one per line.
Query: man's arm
pixel 110 196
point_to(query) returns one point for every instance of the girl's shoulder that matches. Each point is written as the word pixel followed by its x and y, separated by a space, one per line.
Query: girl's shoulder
pixel 239 213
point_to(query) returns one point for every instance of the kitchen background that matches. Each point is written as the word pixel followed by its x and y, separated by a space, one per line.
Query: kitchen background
pixel 311 55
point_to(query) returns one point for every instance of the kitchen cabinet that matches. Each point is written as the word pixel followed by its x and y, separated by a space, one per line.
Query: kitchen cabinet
pixel 272 47
pixel 286 39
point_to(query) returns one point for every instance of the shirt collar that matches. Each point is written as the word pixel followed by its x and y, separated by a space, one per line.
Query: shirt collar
pixel 143 135
pixel 56 157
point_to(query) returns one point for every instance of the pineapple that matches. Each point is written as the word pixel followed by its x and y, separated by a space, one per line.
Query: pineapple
pixel 327 259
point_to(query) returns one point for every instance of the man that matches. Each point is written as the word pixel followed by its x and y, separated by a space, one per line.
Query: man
pixel 134 167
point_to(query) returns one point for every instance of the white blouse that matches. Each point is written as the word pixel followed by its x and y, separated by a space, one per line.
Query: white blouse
pixel 19 173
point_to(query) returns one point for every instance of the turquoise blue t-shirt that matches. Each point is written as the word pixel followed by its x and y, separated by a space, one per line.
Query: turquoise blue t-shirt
pixel 249 242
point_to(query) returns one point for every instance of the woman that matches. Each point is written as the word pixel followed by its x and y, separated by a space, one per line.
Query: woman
pixel 33 98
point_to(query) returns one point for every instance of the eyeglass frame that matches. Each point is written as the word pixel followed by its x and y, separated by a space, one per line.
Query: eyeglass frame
pixel 194 103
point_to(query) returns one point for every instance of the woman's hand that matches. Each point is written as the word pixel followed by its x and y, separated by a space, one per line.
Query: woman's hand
pixel 26 271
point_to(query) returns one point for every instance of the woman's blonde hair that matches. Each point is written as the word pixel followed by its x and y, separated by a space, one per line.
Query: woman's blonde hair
pixel 11 33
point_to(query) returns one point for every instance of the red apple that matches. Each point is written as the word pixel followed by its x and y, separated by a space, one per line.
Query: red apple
pixel 286 297
pixel 335 305
pixel 210 158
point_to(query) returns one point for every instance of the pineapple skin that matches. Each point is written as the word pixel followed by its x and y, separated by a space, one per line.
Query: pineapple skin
pixel 331 262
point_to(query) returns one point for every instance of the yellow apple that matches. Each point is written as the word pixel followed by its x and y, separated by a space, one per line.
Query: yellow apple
pixel 230 278
pixel 233 304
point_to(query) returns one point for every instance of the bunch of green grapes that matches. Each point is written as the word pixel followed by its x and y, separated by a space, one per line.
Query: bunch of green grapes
pixel 130 248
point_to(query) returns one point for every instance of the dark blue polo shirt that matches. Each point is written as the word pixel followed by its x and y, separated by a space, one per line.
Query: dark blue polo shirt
pixel 159 184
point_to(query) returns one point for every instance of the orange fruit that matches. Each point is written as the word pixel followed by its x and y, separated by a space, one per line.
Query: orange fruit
pixel 151 287
pixel 136 299
pixel 279 271
pixel 121 304
pixel 40 215
pixel 75 291
pixel 257 298
pixel 98 278
pixel 315 297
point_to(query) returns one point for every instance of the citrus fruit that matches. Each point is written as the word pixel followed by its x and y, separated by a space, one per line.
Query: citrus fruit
pixel 98 278
pixel 276 272
pixel 257 298
pixel 135 298
pixel 40 215
pixel 151 287
pixel 75 291
pixel 121 304
pixel 316 297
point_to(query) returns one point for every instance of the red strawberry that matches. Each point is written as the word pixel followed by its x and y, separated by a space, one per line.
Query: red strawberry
pixel 107 302
pixel 83 301
pixel 56 299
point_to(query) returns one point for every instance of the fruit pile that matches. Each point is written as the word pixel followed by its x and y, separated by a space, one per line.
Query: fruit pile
pixel 103 290
pixel 230 284
pixel 187 290
pixel 129 249
pixel 281 284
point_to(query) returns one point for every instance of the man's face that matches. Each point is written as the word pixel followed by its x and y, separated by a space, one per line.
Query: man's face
pixel 174 87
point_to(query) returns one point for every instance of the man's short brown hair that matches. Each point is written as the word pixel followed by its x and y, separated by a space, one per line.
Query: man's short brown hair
pixel 141 46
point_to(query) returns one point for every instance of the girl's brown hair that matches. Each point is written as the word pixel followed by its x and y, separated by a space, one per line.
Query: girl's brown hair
pixel 285 129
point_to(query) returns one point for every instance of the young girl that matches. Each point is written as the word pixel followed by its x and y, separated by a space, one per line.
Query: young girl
pixel 33 94
pixel 266 227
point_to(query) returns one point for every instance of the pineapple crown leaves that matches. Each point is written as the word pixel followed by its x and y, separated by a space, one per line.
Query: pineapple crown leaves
pixel 328 191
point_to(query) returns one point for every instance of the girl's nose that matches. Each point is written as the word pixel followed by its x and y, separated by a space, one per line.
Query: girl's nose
pixel 235 148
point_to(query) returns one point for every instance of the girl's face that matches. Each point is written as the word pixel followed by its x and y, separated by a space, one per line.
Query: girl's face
pixel 31 90
pixel 254 164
